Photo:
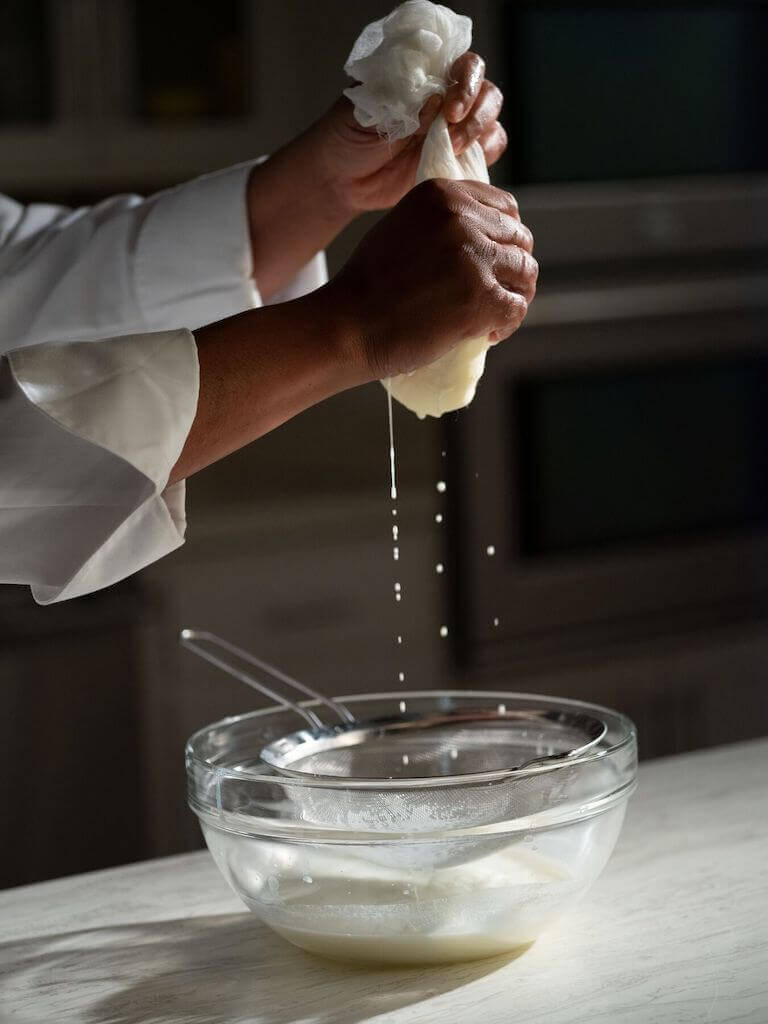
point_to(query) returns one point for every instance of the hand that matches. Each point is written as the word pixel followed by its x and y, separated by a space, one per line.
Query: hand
pixel 368 173
pixel 451 262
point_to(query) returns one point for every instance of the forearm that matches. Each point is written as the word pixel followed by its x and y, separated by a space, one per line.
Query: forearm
pixel 260 368
pixel 293 213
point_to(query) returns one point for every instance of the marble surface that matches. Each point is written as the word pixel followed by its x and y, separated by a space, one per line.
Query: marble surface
pixel 676 930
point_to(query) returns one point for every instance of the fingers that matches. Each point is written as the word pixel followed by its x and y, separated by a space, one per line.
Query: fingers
pixel 493 142
pixel 468 73
pixel 509 231
pixel 511 310
pixel 488 195
pixel 482 115
pixel 429 112
pixel 516 270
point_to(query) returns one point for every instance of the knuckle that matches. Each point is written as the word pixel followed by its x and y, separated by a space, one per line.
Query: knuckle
pixel 473 125
pixel 517 307
pixel 517 265
pixel 527 236
pixel 509 204
pixel 531 268
pixel 495 96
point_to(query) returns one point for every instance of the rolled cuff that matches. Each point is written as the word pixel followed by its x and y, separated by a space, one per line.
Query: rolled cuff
pixel 194 263
pixel 193 260
pixel 95 429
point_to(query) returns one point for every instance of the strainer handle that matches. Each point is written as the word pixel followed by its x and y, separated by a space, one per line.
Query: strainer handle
pixel 193 639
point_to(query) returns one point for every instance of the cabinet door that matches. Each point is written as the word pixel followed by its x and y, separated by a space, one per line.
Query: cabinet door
pixel 70 788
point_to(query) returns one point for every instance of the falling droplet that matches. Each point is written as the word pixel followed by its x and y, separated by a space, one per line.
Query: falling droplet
pixel 439 567
pixel 398 597
pixel 502 709
pixel 403 705
pixel 439 517
pixel 307 879
pixel 401 676
pixel 398 588
pixel 399 638
pixel 406 759
pixel 395 532
pixel 395 553
pixel 394 511
pixel 495 622
pixel 441 486
pixel 454 753
pixel 490 550
pixel 443 631
pixel 393 481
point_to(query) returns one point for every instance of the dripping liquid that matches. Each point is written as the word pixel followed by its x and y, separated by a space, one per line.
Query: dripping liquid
pixel 393 497
pixel 392 476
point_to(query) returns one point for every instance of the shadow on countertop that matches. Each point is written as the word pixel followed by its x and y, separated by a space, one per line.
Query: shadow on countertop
pixel 221 969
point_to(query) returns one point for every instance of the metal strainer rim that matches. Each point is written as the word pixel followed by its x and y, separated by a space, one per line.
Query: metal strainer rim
pixel 276 753
pixel 258 774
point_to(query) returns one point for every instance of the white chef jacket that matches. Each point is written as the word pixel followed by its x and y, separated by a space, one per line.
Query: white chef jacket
pixel 99 376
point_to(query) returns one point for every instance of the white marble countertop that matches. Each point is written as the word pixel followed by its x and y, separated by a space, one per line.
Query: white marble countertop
pixel 675 932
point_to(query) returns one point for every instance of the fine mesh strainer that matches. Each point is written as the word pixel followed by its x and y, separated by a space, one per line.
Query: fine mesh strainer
pixel 517 755
pixel 461 741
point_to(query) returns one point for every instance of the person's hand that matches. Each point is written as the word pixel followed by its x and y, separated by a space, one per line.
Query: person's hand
pixel 451 262
pixel 367 172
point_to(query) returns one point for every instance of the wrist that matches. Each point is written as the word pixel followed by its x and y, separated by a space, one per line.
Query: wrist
pixel 341 335
pixel 316 153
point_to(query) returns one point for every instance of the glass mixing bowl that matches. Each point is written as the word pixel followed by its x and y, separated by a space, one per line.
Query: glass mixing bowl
pixel 454 865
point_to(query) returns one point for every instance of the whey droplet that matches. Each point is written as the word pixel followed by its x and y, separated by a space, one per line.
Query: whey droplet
pixel 405 761
pixel 398 597
pixel 502 709
pixel 490 550
pixel 439 567
pixel 395 532
pixel 401 676
pixel 395 553
pixel 443 631
pixel 403 705
pixel 398 588
pixel 307 879
pixel 443 454
pixel 495 622
pixel 392 478
pixel 399 638
pixel 441 486
pixel 439 517
pixel 394 511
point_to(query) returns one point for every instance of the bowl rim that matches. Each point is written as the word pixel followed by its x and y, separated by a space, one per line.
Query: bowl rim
pixel 619 719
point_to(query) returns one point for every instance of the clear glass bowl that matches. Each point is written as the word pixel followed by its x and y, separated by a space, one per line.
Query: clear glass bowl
pixel 409 870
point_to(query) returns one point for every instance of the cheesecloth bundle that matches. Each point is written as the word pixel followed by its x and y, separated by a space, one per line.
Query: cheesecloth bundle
pixel 401 61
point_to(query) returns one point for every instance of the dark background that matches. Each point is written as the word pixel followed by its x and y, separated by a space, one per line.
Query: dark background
pixel 288 547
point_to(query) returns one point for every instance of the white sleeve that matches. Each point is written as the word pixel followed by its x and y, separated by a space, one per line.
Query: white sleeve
pixel 179 258
pixel 89 434
pixel 90 429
